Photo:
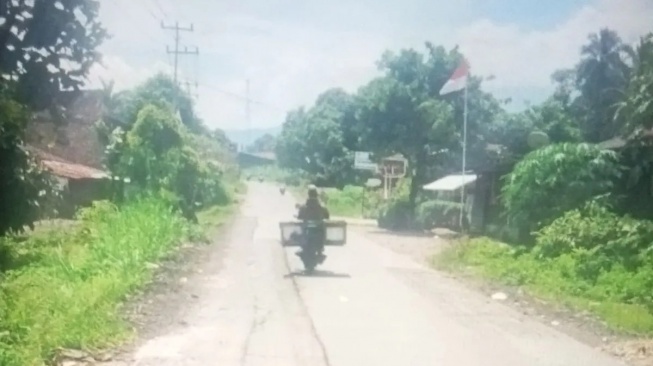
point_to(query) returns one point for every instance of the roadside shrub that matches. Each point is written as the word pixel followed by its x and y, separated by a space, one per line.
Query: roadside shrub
pixel 346 202
pixel 157 155
pixel 397 213
pixel 556 179
pixel 435 213
pixel 605 236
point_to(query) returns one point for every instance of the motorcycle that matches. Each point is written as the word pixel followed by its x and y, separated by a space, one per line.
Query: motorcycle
pixel 312 237
pixel 312 244
pixel 282 190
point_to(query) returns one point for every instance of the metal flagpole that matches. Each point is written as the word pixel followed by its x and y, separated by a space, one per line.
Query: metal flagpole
pixel 462 189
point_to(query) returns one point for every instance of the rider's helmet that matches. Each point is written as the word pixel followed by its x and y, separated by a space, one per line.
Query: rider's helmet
pixel 312 191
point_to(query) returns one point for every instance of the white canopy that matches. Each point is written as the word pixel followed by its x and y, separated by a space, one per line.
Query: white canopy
pixel 451 182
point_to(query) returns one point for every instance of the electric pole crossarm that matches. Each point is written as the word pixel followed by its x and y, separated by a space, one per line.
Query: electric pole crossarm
pixel 196 51
pixel 177 28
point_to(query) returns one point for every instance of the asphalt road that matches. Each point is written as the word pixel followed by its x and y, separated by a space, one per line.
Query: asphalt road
pixel 366 306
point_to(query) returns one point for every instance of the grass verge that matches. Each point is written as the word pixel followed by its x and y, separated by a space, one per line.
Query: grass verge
pixel 212 218
pixel 548 279
pixel 352 201
pixel 63 286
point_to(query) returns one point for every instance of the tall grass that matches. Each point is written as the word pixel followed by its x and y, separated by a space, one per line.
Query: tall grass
pixel 352 201
pixel 64 287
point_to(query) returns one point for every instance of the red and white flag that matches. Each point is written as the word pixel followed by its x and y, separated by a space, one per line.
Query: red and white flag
pixel 458 80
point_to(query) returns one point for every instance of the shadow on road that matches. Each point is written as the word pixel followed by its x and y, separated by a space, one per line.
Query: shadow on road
pixel 413 234
pixel 324 274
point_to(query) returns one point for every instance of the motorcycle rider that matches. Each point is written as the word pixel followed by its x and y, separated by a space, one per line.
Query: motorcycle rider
pixel 313 210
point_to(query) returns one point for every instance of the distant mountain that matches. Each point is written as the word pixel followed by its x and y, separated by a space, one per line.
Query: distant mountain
pixel 248 136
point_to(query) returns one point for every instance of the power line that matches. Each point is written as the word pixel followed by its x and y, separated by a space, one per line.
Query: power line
pixel 158 5
pixel 129 14
pixel 150 12
pixel 238 96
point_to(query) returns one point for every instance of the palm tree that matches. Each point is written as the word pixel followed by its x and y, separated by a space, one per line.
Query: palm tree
pixel 602 76
pixel 637 105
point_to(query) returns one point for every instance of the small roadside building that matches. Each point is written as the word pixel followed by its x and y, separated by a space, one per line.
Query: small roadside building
pixel 482 192
pixel 79 185
pixel 449 189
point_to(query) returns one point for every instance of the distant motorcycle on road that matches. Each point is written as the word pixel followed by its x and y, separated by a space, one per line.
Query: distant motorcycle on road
pixel 282 190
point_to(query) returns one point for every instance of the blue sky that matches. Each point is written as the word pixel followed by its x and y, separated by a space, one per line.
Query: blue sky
pixel 291 50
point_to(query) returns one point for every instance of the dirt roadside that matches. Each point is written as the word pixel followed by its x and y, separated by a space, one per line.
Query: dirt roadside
pixel 580 325
pixel 154 310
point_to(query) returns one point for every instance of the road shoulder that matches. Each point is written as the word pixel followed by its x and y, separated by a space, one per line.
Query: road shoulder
pixel 159 307
pixel 422 248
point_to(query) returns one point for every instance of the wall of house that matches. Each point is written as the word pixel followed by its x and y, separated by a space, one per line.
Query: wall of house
pixel 84 191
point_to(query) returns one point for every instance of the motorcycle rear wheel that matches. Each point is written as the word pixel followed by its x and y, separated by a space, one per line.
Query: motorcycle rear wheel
pixel 310 261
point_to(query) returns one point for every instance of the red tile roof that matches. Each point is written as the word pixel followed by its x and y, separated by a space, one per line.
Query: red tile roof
pixel 63 168
pixel 73 171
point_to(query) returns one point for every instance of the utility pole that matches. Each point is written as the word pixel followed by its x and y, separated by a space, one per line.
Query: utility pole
pixel 189 89
pixel 177 52
pixel 248 114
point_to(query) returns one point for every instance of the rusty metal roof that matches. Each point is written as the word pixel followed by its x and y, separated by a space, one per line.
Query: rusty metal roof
pixel 73 171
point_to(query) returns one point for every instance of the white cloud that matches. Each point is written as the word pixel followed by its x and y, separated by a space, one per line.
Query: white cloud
pixel 522 59
pixel 293 54
pixel 114 68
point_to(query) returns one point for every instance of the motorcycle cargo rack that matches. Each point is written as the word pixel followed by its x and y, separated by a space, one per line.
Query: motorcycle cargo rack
pixel 336 232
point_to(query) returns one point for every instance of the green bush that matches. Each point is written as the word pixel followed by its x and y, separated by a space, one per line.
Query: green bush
pixel 396 213
pixel 434 213
pixel 556 179
pixel 608 237
pixel 587 255
pixel 157 155
pixel 66 285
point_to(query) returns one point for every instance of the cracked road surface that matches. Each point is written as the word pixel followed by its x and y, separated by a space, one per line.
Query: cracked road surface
pixel 366 306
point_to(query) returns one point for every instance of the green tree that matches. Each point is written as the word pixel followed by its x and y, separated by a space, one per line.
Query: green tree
pixel 315 140
pixel 601 77
pixel 46 50
pixel 637 104
pixel 553 118
pixel 25 187
pixel 48 46
pixel 402 112
pixel 122 108
pixel 147 156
